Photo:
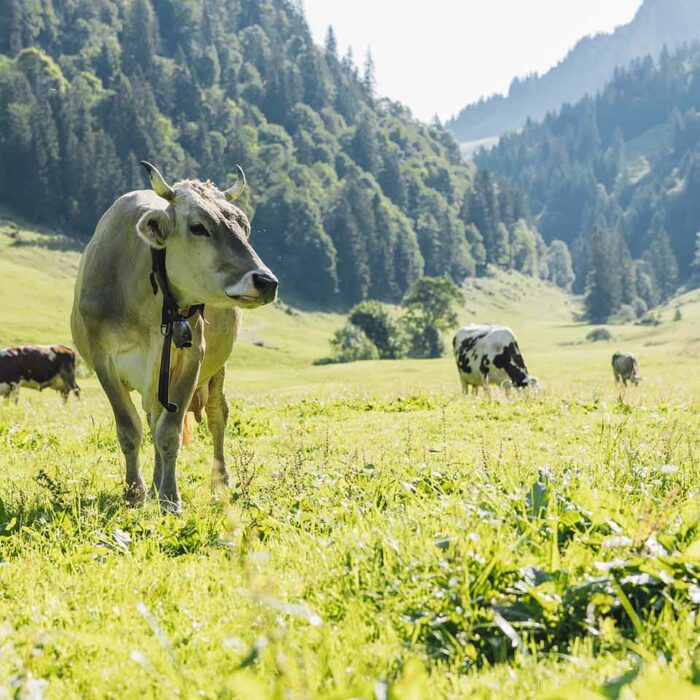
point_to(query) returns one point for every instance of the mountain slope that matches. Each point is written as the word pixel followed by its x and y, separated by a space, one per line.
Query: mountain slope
pixel 585 70
pixel 624 166
pixel 351 197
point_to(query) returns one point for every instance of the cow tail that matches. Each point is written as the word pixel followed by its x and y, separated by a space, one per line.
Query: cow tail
pixel 187 429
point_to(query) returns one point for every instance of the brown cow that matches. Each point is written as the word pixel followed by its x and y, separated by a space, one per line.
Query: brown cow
pixel 38 367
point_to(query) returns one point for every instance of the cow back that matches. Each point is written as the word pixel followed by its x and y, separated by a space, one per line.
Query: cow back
pixel 37 363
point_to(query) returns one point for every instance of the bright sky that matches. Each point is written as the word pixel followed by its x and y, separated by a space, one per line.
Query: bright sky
pixel 438 56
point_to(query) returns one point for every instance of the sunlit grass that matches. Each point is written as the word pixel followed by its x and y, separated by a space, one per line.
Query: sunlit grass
pixel 360 534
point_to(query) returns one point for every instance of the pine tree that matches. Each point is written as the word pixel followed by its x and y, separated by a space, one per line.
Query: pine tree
pixel 662 259
pixel 107 63
pixel 349 235
pixel 348 63
pixel 315 88
pixel 501 252
pixel 696 258
pixel 46 156
pixel 480 208
pixel 365 149
pixel 391 177
pixel 288 230
pixel 140 38
pixel 561 271
pixel 368 76
pixel 331 44
pixel 604 289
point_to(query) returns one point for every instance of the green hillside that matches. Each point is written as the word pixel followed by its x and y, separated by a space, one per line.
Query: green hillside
pixel 279 344
pixel 36 285
pixel 36 278
pixel 615 176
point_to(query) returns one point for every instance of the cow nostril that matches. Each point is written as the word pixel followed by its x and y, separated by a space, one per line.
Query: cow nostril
pixel 264 282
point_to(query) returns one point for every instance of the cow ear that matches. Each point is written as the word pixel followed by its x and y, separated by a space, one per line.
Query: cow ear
pixel 154 227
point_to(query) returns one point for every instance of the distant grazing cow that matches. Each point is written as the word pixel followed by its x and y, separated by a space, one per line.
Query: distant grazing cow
pixel 625 368
pixel 37 367
pixel 131 305
pixel 488 354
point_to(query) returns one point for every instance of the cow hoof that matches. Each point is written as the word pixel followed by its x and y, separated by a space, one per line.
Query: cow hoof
pixel 220 482
pixel 168 507
pixel 135 497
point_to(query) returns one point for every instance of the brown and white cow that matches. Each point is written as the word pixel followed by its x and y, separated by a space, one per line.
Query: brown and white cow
pixel 488 355
pixel 38 367
pixel 116 318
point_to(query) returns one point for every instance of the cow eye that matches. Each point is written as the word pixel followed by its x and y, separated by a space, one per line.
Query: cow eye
pixel 199 230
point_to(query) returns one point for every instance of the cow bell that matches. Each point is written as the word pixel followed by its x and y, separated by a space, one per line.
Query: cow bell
pixel 182 333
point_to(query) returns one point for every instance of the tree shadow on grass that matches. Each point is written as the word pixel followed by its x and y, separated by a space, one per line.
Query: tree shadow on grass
pixel 49 242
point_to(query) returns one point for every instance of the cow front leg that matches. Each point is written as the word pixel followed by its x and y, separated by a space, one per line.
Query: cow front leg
pixel 217 416
pixel 167 442
pixel 129 431
pixel 157 467
pixel 167 435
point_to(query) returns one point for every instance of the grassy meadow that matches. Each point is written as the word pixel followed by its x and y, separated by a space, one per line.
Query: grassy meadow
pixel 384 537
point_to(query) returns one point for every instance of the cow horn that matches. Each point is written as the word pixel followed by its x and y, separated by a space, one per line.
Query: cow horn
pixel 234 192
pixel 158 183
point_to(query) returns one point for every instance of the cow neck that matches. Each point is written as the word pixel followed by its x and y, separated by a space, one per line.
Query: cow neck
pixel 174 326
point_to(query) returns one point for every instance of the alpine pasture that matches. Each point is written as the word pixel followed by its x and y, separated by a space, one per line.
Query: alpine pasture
pixel 384 537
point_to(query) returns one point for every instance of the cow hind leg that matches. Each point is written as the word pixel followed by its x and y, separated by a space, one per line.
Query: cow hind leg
pixel 464 383
pixel 217 416
pixel 129 432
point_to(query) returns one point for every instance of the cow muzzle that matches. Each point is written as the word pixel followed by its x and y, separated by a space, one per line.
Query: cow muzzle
pixel 533 384
pixel 255 288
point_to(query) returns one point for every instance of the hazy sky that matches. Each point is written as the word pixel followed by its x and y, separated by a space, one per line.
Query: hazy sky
pixel 439 55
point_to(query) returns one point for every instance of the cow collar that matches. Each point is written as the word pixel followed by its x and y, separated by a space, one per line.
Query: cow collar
pixel 174 326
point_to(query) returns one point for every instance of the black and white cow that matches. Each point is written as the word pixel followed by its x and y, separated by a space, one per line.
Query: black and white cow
pixel 37 367
pixel 487 355
pixel 625 368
